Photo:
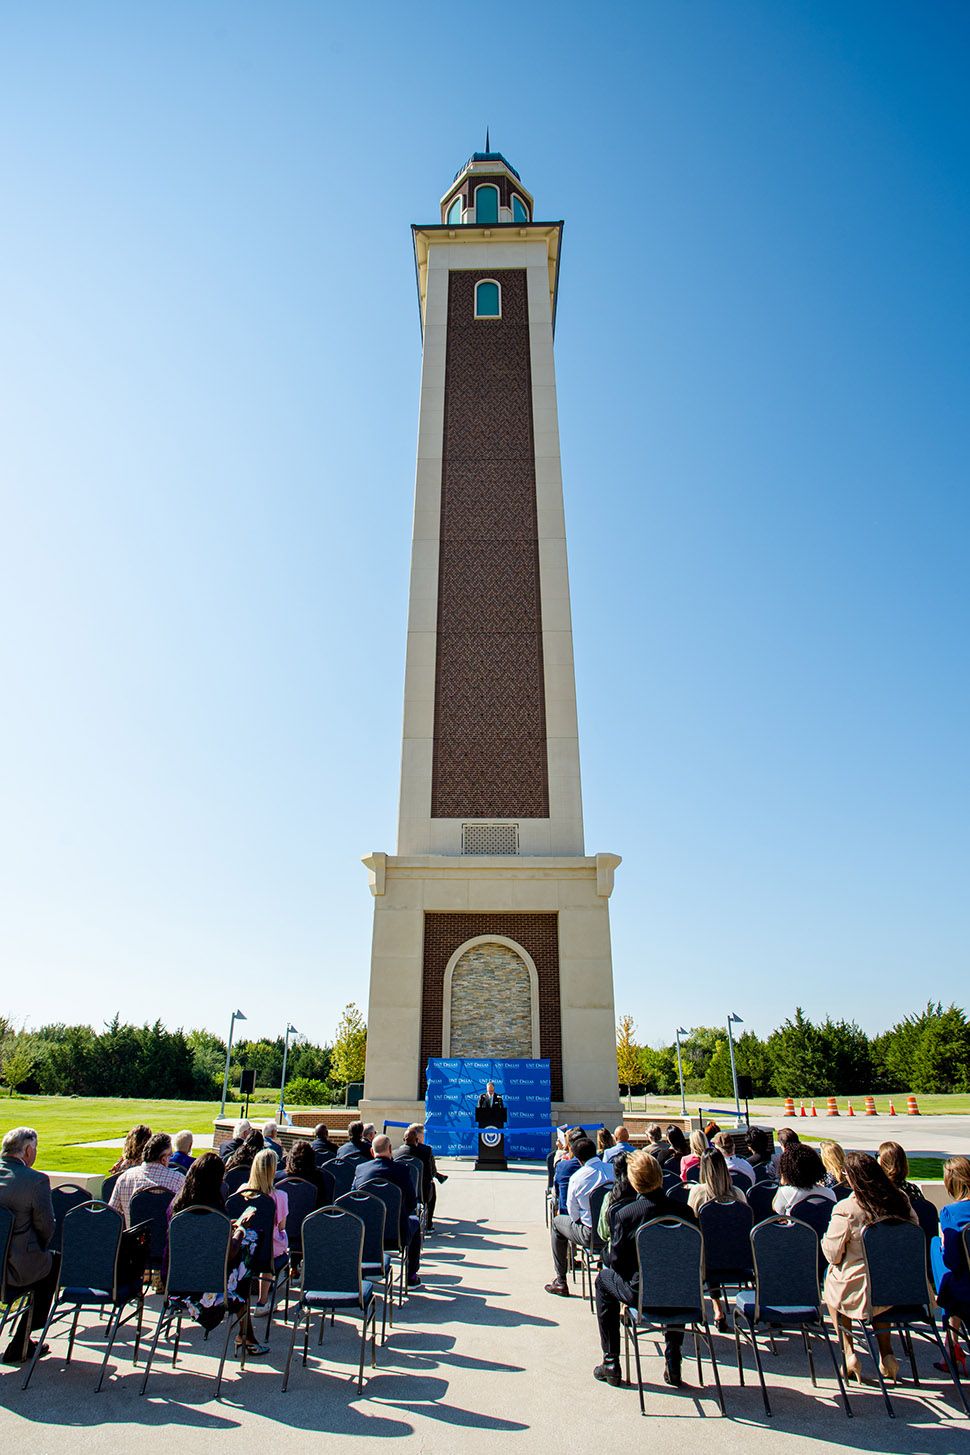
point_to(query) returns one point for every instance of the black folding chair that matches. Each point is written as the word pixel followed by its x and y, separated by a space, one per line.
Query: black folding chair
pixel 726 1230
pixel 816 1211
pixel 265 1264
pixel 760 1197
pixel 929 1221
pixel 198 1264
pixel 679 1194
pixel 378 1265
pixel 786 1297
pixel 13 1300
pixel 63 1198
pixel 301 1198
pixel 108 1186
pixel 333 1248
pixel 342 1171
pixel 394 1242
pixel 591 1254
pixel 694 1173
pixel 150 1206
pixel 234 1179
pixel 670 1256
pixel 89 1278
pixel 895 1254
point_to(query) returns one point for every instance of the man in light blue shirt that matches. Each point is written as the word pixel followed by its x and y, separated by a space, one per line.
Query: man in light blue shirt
pixel 622 1144
pixel 575 1225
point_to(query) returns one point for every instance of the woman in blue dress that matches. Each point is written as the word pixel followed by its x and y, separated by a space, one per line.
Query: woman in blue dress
pixel 949 1260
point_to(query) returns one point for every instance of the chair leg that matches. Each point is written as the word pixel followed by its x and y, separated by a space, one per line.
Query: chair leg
pixel 383 1315
pixel 40 1345
pixel 70 1342
pixel 114 1324
pixel 163 1317
pixel 363 1345
pixel 138 1326
pixel 761 1372
pixel 906 1335
pixel 626 1341
pixel 709 1341
pixel 289 1356
pixel 232 1323
pixel 306 1337
pixel 697 1353
pixel 951 1364
pixel 373 1334
pixel 737 1349
pixel 811 1361
pixel 835 1365
pixel 874 1353
pixel 636 1356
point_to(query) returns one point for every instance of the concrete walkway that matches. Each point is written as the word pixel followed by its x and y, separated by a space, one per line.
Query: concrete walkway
pixel 481 1353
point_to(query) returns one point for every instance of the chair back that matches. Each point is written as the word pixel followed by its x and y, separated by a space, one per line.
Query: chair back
pixel 90 1239
pixel 740 1180
pixel 785 1255
pixel 150 1205
pixel 301 1199
pixel 694 1173
pixel 63 1198
pixel 390 1196
pixel 550 1167
pixel 262 1224
pixel 342 1171
pixel 415 1170
pixel 373 1214
pixel 670 1255
pixel 108 1186
pixel 324 1158
pixel 760 1198
pixel 817 1213
pixel 596 1200
pixel 762 1171
pixel 198 1252
pixel 842 1190
pixel 333 1252
pixel 895 1254
pixel 670 1181
pixel 680 1193
pixel 234 1180
pixel 726 1229
pixel 328 1194
pixel 929 1218
pixel 6 1234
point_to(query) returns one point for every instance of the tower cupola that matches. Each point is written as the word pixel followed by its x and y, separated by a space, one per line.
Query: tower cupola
pixel 486 191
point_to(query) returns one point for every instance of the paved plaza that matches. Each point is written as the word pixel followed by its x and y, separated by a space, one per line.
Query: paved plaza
pixel 482 1351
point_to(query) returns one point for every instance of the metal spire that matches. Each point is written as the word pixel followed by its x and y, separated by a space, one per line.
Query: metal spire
pixel 488 147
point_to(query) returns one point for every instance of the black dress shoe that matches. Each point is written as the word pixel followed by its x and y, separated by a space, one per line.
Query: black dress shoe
pixel 609 1372
pixel 558 1286
pixel 10 1355
pixel 672 1370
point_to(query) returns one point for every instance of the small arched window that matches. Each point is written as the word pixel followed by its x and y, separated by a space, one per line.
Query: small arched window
pixel 488 299
pixel 486 203
pixel 454 211
pixel 520 213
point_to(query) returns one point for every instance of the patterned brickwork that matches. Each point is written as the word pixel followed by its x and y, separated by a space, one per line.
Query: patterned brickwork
pixel 538 934
pixel 503 182
pixel 490 732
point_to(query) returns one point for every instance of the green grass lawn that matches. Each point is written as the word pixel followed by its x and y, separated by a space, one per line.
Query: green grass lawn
pixel 63 1121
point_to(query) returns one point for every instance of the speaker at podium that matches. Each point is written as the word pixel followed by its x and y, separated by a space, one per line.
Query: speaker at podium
pixel 490 1117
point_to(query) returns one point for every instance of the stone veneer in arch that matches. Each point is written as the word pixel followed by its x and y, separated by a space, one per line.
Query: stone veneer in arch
pixel 491 1003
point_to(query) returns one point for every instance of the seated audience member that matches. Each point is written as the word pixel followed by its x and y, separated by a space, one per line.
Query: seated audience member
pixel 621 1192
pixel 619 1280
pixel 715 1183
pixel 322 1147
pixel 833 1160
pixel 245 1155
pixel 382 1166
pixel 622 1146
pixel 565 1167
pixel 240 1132
pixel 271 1139
pixel 698 1146
pixel 415 1149
pixel 679 1149
pixel 153 1171
pixel 575 1225
pixel 356 1149
pixel 711 1130
pixel 370 1132
pixel 951 1274
pixel 894 1162
pixel 133 1150
pixel 724 1143
pixel 262 1182
pixel 657 1146
pixel 604 1141
pixel 762 1151
pixel 873 1197
pixel 26 1193
pixel 182 1156
pixel 787 1137
pixel 300 1162
pixel 802 1175
pixel 202 1187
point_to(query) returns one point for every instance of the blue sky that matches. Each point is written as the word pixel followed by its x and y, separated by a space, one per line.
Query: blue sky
pixel 209 365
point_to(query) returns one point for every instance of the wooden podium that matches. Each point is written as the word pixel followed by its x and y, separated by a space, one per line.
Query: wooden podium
pixel 491 1139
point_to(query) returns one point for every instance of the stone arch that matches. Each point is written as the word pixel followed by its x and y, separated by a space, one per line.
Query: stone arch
pixel 493 974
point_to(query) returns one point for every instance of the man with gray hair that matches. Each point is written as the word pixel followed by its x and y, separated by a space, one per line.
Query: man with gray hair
pixel 240 1132
pixel 270 1139
pixel 31 1269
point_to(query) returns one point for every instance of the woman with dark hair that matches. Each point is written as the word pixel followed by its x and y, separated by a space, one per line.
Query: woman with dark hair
pixel 802 1175
pixel 873 1198
pixel 246 1154
pixel 621 1192
pixel 679 1148
pixel 132 1152
pixel 604 1140
pixel 895 1164
pixel 202 1186
pixel 301 1161
pixel 762 1145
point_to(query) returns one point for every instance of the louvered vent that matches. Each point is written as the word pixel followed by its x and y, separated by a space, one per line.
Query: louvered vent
pixel 490 838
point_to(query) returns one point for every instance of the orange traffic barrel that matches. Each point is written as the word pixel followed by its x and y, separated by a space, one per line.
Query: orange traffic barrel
pixel 870 1106
pixel 789 1107
pixel 911 1108
pixel 833 1106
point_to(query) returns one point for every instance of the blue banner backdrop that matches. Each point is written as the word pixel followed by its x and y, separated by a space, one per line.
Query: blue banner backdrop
pixel 452 1099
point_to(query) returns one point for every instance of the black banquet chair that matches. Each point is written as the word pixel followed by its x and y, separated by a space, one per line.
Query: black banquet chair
pixel 670 1255
pixel 760 1197
pixel 343 1176
pixel 198 1263
pixel 895 1254
pixel 88 1278
pixel 390 1196
pixel 378 1265
pixel 786 1296
pixel 816 1211
pixel 108 1186
pixel 591 1255
pixel 236 1178
pixel 13 1301
pixel 265 1264
pixel 333 1280
pixel 150 1206
pixel 726 1230
pixel 301 1199
pixel 63 1198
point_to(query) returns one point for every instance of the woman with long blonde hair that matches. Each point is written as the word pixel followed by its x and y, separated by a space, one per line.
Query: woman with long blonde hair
pixel 262 1182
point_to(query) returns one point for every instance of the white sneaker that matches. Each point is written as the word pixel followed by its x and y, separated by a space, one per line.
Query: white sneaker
pixel 260 1311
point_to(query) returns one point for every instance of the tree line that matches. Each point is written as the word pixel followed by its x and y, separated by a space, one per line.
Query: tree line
pixel 151 1061
pixel 926 1053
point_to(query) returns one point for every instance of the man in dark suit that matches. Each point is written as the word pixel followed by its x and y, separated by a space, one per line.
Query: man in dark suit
pixel 232 1144
pixel 383 1166
pixel 322 1148
pixel 356 1148
pixel 490 1099
pixel 30 1267
pixel 415 1149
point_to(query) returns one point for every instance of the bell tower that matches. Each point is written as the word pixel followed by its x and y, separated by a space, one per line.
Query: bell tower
pixel 491 925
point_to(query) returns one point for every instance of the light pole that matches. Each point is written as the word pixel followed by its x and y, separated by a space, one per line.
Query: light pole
pixel 734 1020
pixel 680 1070
pixel 290 1031
pixel 237 1015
